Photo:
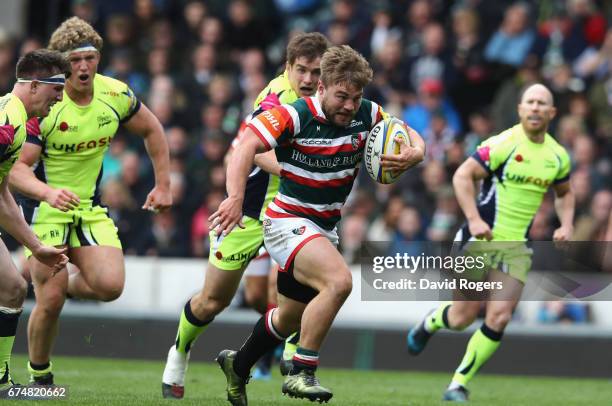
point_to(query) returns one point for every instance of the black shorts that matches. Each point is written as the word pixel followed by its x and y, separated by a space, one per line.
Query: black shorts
pixel 289 287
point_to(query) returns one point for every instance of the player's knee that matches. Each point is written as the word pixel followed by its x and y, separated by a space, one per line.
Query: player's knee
pixel 210 307
pixel 52 303
pixel 16 292
pixel 460 321
pixel 499 320
pixel 342 285
pixel 110 291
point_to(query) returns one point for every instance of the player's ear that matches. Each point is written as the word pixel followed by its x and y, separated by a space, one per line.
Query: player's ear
pixel 320 87
pixel 33 86
pixel 553 112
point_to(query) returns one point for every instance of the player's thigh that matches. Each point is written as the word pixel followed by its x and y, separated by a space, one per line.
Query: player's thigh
pixel 234 251
pixel 12 284
pixel 305 253
pixel 99 264
pixel 318 264
pixel 220 285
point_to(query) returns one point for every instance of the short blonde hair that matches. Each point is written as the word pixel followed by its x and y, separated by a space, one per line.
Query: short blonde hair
pixel 73 33
pixel 343 65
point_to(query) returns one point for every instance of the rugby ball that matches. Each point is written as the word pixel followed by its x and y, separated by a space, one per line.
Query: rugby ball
pixel 381 140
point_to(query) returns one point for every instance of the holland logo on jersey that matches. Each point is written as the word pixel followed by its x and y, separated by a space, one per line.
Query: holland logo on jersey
pixel 299 230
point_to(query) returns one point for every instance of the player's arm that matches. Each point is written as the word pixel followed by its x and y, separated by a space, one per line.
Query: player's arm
pixel 23 180
pixel 268 162
pixel 145 124
pixel 11 220
pixel 230 210
pixel 464 182
pixel 565 204
pixel 265 160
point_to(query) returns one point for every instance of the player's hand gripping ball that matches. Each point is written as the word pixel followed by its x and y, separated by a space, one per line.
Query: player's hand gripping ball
pixel 381 140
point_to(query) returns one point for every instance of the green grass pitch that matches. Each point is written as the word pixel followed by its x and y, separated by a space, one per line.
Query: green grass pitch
pixel 95 381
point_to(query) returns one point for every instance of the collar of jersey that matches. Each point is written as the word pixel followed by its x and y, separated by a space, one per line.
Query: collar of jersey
pixel 314 104
pixel 518 129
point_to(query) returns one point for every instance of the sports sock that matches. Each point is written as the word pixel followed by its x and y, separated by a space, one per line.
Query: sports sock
pixel 40 369
pixel 263 339
pixel 438 319
pixel 304 359
pixel 8 327
pixel 189 329
pixel 482 345
pixel 291 346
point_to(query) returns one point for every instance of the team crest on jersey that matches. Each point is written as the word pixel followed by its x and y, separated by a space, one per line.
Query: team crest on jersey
pixel 355 138
pixel 299 230
pixel 65 127
pixel 104 120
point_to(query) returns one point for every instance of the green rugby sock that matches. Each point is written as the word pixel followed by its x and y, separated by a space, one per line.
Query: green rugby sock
pixel 8 327
pixel 482 345
pixel 438 319
pixel 189 329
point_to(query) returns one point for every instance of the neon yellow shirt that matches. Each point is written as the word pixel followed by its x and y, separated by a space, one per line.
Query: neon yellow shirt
pixel 13 118
pixel 521 171
pixel 75 138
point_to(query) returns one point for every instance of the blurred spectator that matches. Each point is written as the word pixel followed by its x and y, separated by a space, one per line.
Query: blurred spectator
pixel 511 43
pixel 504 108
pixel 472 87
pixel 446 217
pixel 434 62
pixel 582 189
pixel 418 17
pixel 480 128
pixel 382 30
pixel 383 226
pixel 199 224
pixel 438 136
pixel 391 82
pixel 408 237
pixel 352 235
pixel 7 70
pixel 593 226
pixel 431 101
pixel 133 223
pixel 168 238
pixel 242 29
pixel 121 68
pixel 564 312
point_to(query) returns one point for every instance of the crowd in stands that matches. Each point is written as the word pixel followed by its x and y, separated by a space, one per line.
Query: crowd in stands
pixel 453 70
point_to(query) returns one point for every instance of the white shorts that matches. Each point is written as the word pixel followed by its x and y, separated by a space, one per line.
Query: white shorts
pixel 260 265
pixel 285 236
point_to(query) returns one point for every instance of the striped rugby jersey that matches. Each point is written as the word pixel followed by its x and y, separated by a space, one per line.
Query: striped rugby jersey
pixel 319 160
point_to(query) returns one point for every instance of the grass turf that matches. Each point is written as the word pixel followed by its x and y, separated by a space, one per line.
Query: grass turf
pixel 96 381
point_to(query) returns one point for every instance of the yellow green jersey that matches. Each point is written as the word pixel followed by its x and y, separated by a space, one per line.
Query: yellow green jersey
pixel 13 119
pixel 75 138
pixel 261 186
pixel 520 173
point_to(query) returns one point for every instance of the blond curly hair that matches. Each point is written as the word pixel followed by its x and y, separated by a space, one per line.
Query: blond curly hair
pixel 73 33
